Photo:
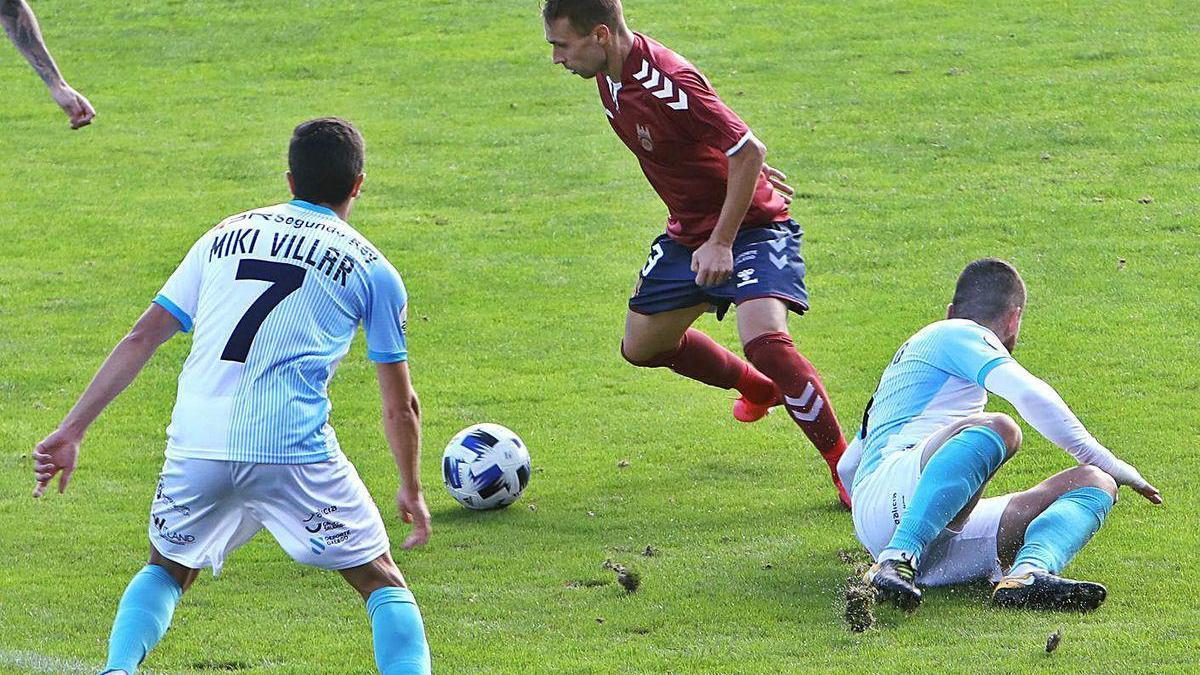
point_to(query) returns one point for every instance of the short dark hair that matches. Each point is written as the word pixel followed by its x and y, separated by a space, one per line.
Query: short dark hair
pixel 988 289
pixel 325 157
pixel 584 15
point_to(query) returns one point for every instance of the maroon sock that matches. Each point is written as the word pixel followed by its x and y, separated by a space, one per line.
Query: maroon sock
pixel 804 394
pixel 702 359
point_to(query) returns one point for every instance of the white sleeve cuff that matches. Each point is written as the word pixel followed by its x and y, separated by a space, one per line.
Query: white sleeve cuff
pixel 738 146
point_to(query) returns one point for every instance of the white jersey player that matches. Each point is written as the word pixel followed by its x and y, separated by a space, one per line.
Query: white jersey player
pixel 273 297
pixel 927 448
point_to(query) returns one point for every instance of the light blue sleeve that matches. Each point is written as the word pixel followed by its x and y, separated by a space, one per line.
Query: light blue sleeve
pixel 969 351
pixel 386 315
pixel 181 294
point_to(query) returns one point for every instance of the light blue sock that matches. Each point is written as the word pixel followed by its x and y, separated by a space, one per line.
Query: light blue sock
pixel 953 475
pixel 400 647
pixel 142 617
pixel 1059 532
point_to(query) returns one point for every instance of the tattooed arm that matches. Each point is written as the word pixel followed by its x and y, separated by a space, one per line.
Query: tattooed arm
pixel 22 27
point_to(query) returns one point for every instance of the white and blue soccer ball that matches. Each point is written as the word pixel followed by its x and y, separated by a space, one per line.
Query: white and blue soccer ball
pixel 486 466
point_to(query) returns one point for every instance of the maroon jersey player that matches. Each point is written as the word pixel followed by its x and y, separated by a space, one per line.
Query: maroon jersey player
pixel 729 239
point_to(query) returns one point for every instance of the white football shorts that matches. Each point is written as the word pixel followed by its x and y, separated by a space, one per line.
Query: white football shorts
pixel 953 557
pixel 320 513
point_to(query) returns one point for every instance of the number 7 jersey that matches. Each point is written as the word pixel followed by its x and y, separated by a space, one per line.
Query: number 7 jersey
pixel 274 297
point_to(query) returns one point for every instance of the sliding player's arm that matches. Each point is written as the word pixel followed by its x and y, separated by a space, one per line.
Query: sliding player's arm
pixel 22 28
pixel 1041 406
pixel 58 453
pixel 402 425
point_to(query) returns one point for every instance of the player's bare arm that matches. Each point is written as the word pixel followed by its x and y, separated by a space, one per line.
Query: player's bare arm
pixel 22 28
pixel 402 425
pixel 58 452
pixel 713 261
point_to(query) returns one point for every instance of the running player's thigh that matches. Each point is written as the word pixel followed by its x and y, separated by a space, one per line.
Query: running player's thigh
pixel 648 335
pixel 761 316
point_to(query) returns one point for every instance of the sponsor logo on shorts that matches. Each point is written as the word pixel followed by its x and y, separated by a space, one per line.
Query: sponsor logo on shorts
pixel 745 257
pixel 746 278
pixel 318 544
pixel 161 496
pixel 323 512
pixel 327 526
pixel 178 538
pixel 898 507
pixel 317 521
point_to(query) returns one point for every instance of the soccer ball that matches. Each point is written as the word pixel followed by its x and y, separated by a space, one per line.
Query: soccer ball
pixel 486 466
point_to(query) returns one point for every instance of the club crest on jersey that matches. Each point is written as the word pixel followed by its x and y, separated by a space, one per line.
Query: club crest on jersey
pixel 644 137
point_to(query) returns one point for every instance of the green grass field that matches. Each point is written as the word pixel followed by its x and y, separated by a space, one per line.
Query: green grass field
pixel 920 135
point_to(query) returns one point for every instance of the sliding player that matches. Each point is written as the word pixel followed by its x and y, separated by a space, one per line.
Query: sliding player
pixel 22 28
pixel 729 239
pixel 274 296
pixel 928 449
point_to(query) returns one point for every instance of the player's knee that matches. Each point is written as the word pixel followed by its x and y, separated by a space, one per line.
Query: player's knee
pixel 184 576
pixel 643 358
pixel 1008 430
pixel 1086 475
pixel 379 573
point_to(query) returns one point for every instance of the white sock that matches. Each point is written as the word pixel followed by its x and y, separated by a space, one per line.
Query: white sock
pixel 1024 568
pixel 896 554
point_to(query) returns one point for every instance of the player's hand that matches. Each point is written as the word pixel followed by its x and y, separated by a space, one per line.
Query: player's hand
pixel 776 178
pixel 75 104
pixel 413 511
pixel 56 454
pixel 1148 491
pixel 712 263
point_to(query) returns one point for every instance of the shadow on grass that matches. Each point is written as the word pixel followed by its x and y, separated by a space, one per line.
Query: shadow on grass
pixel 457 515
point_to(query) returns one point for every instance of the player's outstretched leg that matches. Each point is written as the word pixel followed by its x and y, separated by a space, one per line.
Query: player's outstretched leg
pixel 1053 538
pixel 763 325
pixel 145 612
pixel 951 480
pixel 665 340
pixel 396 626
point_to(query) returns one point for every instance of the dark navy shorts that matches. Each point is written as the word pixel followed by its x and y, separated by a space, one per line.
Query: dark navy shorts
pixel 766 264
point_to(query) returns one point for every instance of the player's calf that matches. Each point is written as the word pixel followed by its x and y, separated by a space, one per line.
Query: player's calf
pixel 142 618
pixel 804 395
pixel 699 357
pixel 396 627
pixel 1052 540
